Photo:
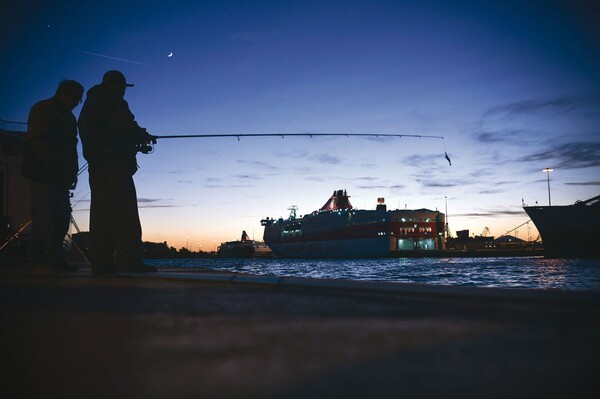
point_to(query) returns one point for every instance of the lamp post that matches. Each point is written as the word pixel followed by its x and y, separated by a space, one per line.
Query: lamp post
pixel 548 170
pixel 446 217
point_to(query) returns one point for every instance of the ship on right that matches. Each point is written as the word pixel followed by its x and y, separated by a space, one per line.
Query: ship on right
pixel 569 231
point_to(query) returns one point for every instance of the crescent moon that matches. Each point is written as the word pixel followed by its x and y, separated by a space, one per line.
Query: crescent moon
pixel 170 54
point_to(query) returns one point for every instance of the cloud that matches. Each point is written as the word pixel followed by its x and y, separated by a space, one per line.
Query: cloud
pixel 585 183
pixel 243 181
pixel 481 173
pixel 150 203
pixel 246 177
pixel 259 164
pixel 531 122
pixel 228 185
pixel 299 154
pixel 491 213
pixel 575 155
pixel 512 136
pixel 328 159
pixel 305 155
pixel 148 200
pixel 373 187
pixel 497 191
pixel 560 105
pixel 426 183
pixel 421 159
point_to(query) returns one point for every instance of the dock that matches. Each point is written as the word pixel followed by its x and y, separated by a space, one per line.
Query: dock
pixel 181 333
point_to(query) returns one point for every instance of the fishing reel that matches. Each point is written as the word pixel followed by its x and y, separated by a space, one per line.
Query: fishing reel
pixel 146 147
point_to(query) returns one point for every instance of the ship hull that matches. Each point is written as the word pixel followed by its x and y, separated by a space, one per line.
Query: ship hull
pixel 571 231
pixel 243 249
pixel 236 251
pixel 346 248
pixel 349 248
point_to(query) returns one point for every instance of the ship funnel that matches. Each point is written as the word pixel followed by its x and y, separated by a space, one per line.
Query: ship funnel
pixel 381 206
pixel 339 200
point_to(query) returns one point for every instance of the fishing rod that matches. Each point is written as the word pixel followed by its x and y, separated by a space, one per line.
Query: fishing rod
pixel 147 148
pixel 282 135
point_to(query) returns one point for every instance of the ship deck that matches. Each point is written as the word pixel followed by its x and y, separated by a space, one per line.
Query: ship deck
pixel 183 334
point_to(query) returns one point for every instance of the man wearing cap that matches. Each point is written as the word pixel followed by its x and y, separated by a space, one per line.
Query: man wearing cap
pixel 110 136
pixel 50 165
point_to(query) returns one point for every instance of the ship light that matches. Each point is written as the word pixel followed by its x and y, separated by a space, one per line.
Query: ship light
pixel 404 220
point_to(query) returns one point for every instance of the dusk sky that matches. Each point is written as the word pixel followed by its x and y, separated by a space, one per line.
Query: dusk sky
pixel 513 87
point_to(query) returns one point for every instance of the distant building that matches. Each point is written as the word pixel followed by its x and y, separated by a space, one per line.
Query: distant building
pixel 463 242
pixel 14 188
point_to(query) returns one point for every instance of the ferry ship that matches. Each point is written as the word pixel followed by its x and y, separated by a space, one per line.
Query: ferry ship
pixel 569 231
pixel 337 230
pixel 243 248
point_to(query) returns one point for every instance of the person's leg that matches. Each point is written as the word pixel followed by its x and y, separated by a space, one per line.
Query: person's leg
pixel 101 246
pixel 128 229
pixel 40 224
pixel 61 220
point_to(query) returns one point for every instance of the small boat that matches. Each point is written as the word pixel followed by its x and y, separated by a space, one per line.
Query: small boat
pixel 243 248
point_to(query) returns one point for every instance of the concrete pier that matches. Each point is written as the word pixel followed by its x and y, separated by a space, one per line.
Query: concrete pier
pixel 182 334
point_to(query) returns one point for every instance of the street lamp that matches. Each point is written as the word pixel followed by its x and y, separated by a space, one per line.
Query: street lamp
pixel 446 216
pixel 548 170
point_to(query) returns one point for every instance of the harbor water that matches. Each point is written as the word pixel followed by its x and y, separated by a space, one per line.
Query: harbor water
pixel 518 272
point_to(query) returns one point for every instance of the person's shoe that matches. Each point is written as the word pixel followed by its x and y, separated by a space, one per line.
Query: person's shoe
pixel 137 267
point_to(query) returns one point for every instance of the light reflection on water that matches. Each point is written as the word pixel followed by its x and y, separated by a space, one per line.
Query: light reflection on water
pixel 521 272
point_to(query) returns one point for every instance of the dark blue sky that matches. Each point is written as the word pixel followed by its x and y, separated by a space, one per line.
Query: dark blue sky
pixel 513 87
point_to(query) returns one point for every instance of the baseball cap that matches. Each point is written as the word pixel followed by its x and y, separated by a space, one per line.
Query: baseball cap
pixel 115 78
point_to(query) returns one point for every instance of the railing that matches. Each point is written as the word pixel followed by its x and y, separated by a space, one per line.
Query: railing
pixel 13 126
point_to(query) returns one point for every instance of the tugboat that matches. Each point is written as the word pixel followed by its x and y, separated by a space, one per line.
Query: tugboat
pixel 569 231
pixel 337 230
pixel 243 248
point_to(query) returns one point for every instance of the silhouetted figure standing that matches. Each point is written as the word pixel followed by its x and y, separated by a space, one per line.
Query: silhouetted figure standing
pixel 50 164
pixel 109 135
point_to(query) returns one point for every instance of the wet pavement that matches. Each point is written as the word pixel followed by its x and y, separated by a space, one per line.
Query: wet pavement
pixel 182 334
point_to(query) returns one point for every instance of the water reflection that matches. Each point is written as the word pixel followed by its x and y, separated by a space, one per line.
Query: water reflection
pixel 532 272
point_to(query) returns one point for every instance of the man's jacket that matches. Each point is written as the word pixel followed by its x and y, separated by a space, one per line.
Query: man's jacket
pixel 51 144
pixel 108 130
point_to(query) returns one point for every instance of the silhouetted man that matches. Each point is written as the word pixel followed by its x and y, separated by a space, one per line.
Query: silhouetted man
pixel 50 164
pixel 110 136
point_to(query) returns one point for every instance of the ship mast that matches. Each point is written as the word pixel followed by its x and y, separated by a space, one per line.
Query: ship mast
pixel 293 209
